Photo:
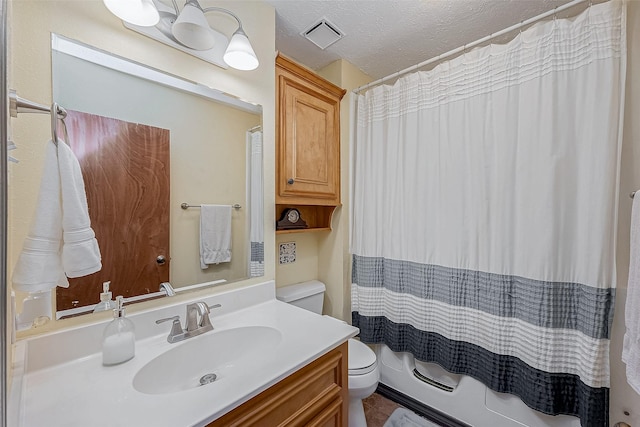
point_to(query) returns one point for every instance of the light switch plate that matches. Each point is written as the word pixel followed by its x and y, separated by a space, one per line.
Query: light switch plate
pixel 287 252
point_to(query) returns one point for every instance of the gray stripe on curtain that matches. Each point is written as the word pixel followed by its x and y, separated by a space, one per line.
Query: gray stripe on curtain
pixel 551 393
pixel 546 304
pixel 257 251
pixel 256 263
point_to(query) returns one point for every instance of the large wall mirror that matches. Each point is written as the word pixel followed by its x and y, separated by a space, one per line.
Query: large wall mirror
pixel 149 142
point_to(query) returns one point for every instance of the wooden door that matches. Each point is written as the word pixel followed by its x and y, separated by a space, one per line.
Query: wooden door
pixel 126 174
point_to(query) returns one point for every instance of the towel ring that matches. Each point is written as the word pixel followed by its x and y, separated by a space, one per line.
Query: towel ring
pixel 57 113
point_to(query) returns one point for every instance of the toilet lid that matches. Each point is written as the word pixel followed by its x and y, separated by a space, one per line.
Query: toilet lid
pixel 362 359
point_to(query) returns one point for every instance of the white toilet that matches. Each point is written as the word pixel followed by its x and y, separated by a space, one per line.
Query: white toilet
pixel 364 373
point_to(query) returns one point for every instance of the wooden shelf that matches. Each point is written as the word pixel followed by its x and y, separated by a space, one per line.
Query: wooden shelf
pixel 302 230
pixel 317 217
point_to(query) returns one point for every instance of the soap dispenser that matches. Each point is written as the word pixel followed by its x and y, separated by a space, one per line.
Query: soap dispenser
pixel 118 344
pixel 106 303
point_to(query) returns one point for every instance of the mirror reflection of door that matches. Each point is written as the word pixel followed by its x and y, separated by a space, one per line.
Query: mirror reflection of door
pixel 126 173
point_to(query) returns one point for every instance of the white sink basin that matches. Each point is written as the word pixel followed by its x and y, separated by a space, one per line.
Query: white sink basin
pixel 220 353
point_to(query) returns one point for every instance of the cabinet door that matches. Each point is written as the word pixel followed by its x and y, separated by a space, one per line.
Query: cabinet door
pixel 309 161
pixel 315 396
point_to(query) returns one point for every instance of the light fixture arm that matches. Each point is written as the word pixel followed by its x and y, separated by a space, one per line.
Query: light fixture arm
pixel 228 12
pixel 175 7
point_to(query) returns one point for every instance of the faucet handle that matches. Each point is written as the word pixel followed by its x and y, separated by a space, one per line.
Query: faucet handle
pixel 166 319
pixel 176 328
pixel 204 311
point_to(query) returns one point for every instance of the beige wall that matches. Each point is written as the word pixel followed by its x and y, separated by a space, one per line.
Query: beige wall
pixel 88 21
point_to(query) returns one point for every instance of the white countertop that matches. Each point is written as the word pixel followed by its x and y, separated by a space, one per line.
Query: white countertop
pixel 82 392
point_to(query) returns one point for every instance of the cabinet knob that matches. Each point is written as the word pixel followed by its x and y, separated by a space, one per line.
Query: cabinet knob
pixel 290 181
pixel 161 260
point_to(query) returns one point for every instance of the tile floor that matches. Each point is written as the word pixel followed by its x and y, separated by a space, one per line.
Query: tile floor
pixel 377 409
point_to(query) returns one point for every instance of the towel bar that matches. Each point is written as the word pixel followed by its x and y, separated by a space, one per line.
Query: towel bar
pixel 187 206
pixel 20 105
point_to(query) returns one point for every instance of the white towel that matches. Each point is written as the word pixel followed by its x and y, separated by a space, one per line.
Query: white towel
pixel 631 346
pixel 80 252
pixel 61 213
pixel 39 266
pixel 215 234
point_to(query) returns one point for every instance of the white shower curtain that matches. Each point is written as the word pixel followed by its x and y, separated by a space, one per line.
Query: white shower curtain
pixel 256 204
pixel 484 212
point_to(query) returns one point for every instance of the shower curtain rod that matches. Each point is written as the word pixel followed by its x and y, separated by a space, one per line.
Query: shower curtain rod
pixel 473 44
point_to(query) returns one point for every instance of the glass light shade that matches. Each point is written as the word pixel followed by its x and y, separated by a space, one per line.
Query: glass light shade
pixel 137 12
pixel 192 29
pixel 239 53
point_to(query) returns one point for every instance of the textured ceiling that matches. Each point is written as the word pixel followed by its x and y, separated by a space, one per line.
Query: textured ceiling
pixel 385 36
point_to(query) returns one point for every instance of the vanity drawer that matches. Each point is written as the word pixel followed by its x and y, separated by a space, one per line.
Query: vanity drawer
pixel 331 416
pixel 316 395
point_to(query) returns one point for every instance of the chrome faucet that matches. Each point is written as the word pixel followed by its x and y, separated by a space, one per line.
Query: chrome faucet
pixel 197 323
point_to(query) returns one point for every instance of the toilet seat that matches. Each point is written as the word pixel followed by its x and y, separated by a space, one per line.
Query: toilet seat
pixel 362 359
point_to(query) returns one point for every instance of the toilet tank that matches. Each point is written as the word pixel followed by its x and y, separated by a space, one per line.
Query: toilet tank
pixel 307 295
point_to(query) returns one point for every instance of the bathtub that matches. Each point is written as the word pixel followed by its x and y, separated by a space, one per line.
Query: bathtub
pixel 460 397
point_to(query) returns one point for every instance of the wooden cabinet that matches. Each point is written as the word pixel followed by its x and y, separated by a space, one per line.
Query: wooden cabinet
pixel 308 143
pixel 316 395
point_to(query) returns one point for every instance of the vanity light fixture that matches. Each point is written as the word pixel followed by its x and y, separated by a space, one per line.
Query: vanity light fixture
pixel 189 30
pixel 137 12
pixel 192 29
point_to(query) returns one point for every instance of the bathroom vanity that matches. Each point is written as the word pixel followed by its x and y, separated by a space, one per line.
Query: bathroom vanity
pixel 269 370
pixel 316 395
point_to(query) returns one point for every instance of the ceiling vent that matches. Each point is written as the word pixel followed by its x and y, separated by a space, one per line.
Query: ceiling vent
pixel 323 33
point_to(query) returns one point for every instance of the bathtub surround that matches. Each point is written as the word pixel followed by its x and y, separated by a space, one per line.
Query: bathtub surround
pixel 494 180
